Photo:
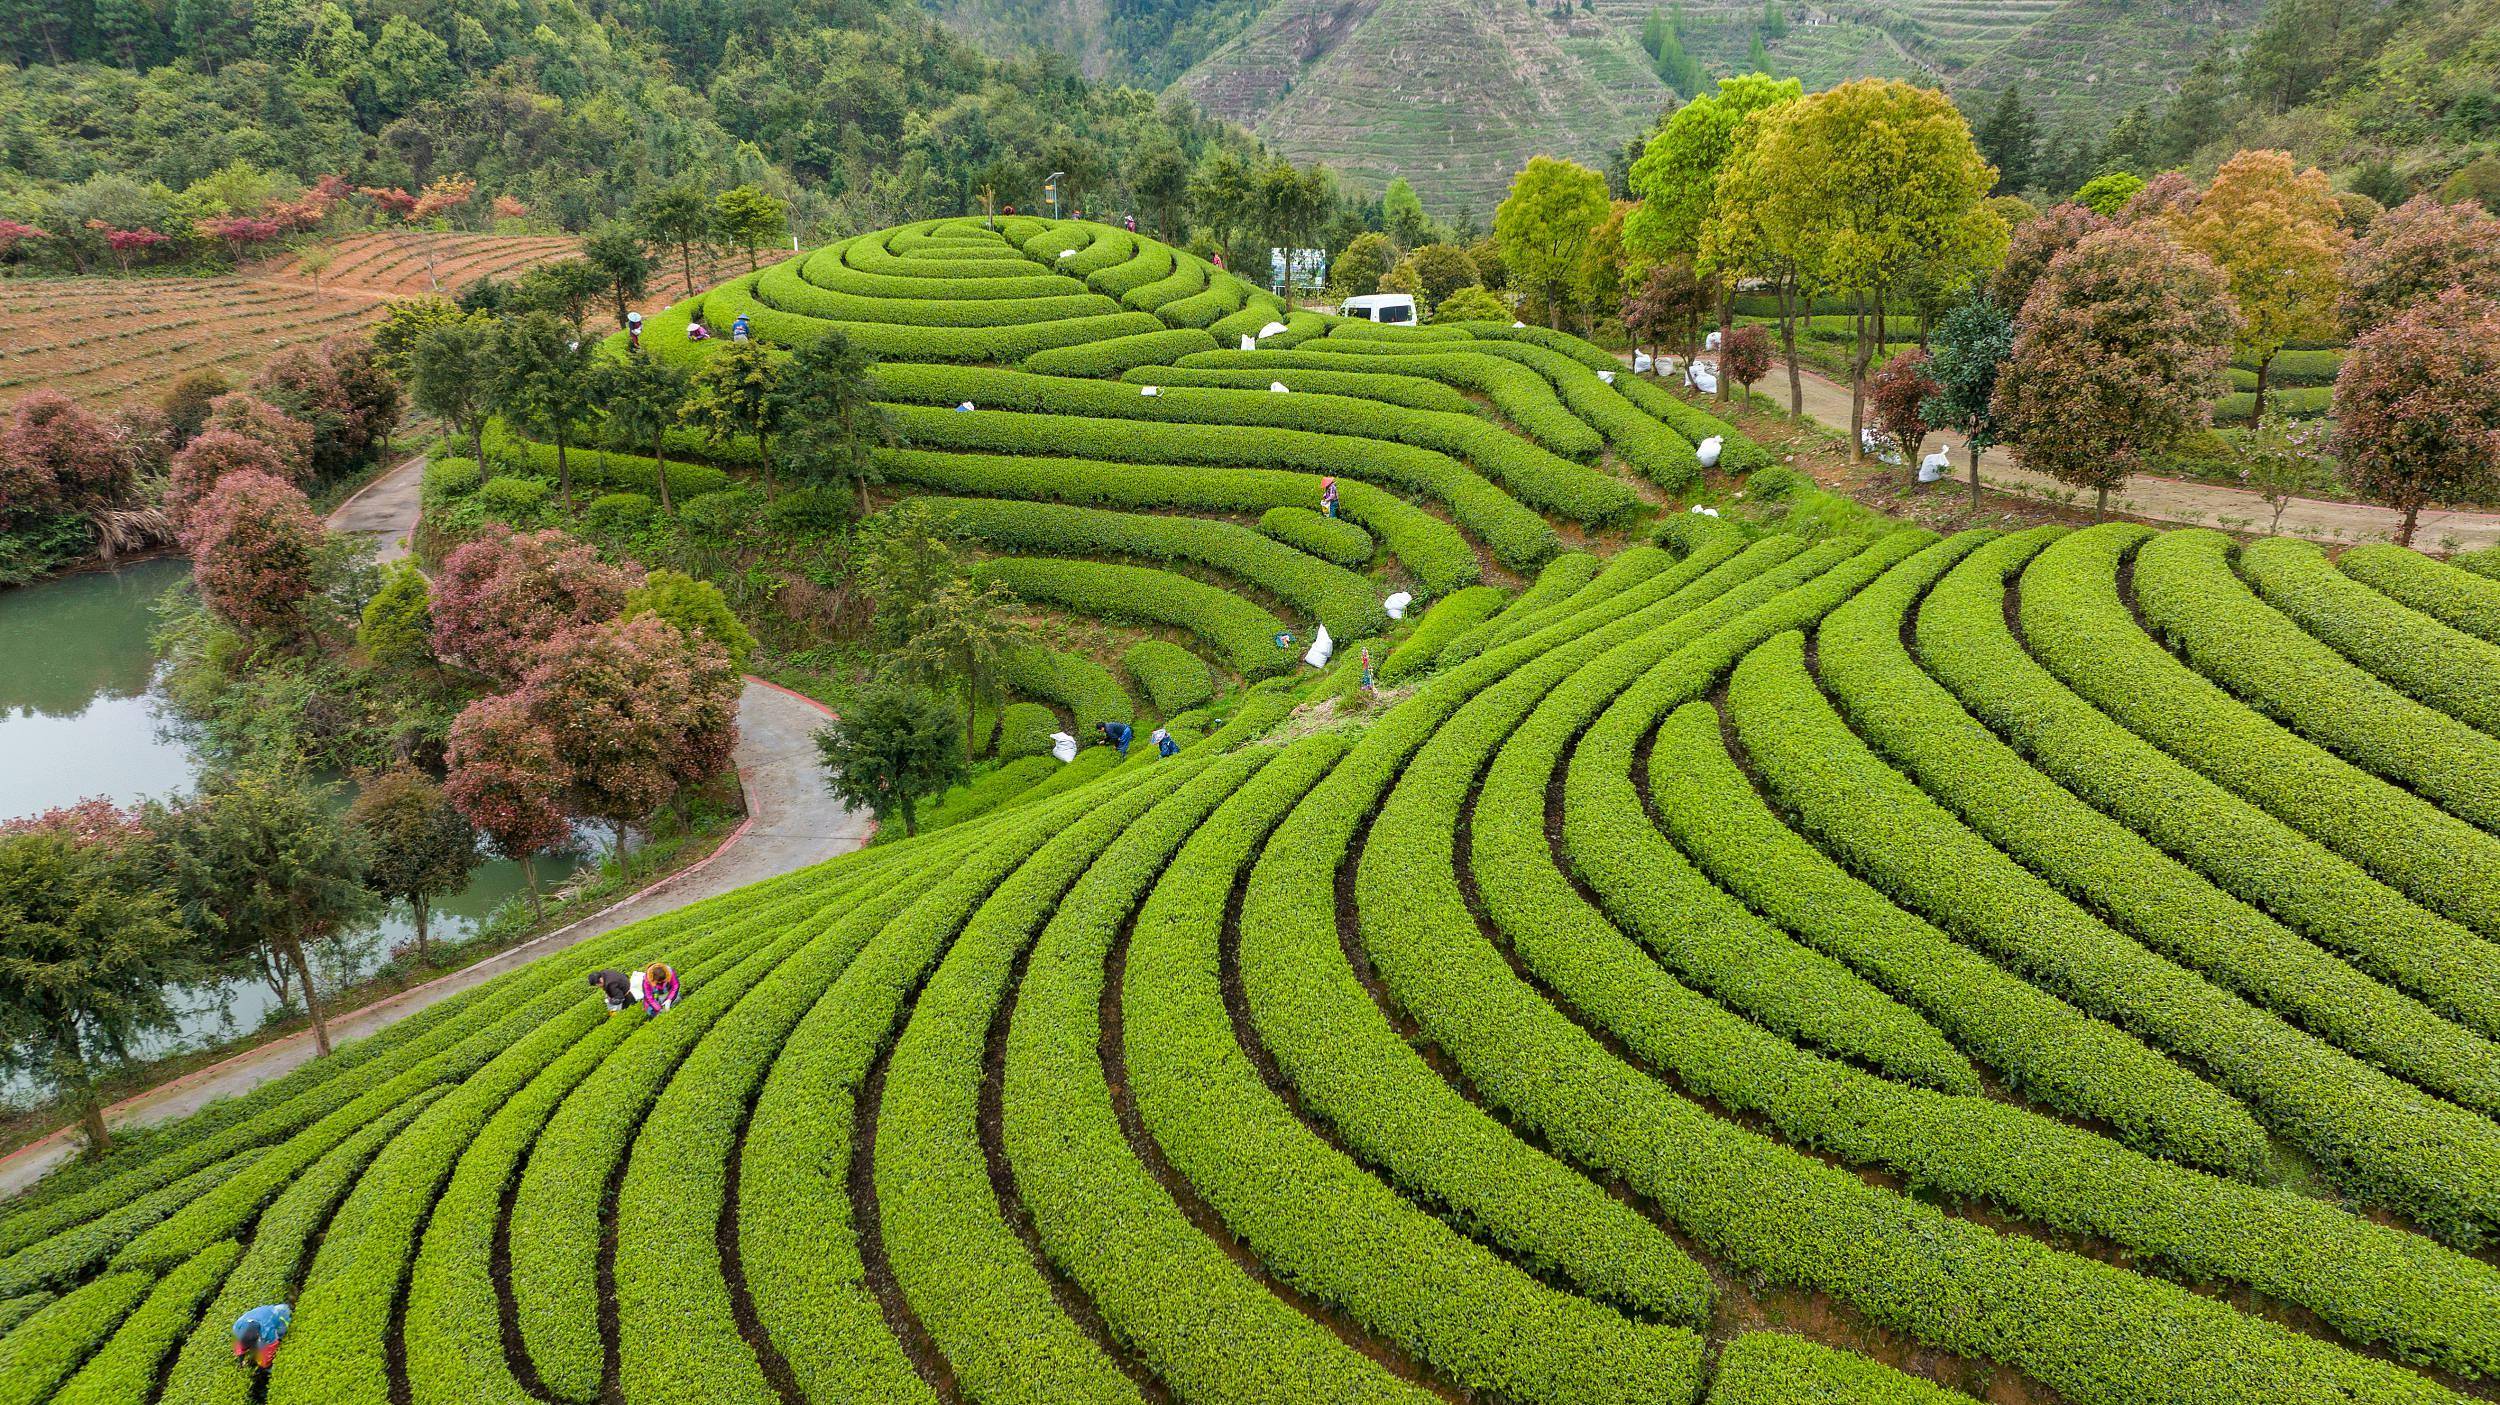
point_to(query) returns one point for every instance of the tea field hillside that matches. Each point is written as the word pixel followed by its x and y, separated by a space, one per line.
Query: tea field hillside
pixel 1774 956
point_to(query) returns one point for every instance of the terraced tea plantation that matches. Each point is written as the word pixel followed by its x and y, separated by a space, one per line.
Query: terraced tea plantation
pixel 1731 966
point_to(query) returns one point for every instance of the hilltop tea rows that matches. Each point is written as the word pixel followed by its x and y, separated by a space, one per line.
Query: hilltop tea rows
pixel 1778 956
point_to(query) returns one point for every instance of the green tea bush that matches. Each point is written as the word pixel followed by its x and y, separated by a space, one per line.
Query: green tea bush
pixel 1448 618
pixel 1338 539
pixel 1114 355
pixel 513 500
pixel 2458 598
pixel 1024 730
pixel 2442 667
pixel 1173 678
pixel 1412 392
pixel 1241 631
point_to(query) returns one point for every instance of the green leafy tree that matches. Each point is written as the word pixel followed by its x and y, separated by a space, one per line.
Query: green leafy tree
pixel 697 608
pixel 1441 270
pixel 645 397
pixel 1403 211
pixel 1357 268
pixel 1676 179
pixel 747 217
pixel 1224 199
pixel 1675 67
pixel 262 868
pixel 451 376
pixel 832 425
pixel 676 218
pixel 963 633
pixel 1544 227
pixel 88 953
pixel 901 558
pixel 1472 305
pixel 567 288
pixel 2283 458
pixel 396 630
pixel 737 391
pixel 1877 184
pixel 1158 178
pixel 1972 341
pixel 538 376
pixel 2108 193
pixel 417 845
pixel 623 264
pixel 893 747
pixel 2119 352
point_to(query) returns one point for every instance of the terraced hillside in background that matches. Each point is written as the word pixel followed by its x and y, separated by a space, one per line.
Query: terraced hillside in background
pixel 108 341
pixel 1750 965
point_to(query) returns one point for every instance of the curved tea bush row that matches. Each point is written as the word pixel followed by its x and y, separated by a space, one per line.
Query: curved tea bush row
pixel 826 268
pixel 784 288
pixel 869 254
pixel 898 342
pixel 1737 452
pixel 2406 1149
pixel 1085 688
pixel 1241 631
pixel 992 791
pixel 1114 355
pixel 126 1368
pixel 2445 668
pixel 1201 1323
pixel 64 1259
pixel 1964 642
pixel 1520 395
pixel 1773 1368
pixel 1563 577
pixel 1339 539
pixel 1535 476
pixel 971 1280
pixel 1429 547
pixel 1339 599
pixel 1919 727
pixel 1174 679
pixel 2078 626
pixel 47 1347
pixel 1024 729
pixel 2185 587
pixel 2092 1331
pixel 1448 618
pixel 1412 392
pixel 598 468
pixel 2459 599
pixel 1307 1210
pixel 1517 537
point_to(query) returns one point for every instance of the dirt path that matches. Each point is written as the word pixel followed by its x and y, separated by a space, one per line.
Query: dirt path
pixel 792 822
pixel 2170 499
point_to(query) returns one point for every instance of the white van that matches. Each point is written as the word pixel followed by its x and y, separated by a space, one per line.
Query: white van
pixel 1397 308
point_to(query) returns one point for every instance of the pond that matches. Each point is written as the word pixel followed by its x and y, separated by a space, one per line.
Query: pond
pixel 80 715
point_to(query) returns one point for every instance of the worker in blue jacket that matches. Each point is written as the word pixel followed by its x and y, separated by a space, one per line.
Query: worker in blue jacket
pixel 1116 733
pixel 256 1334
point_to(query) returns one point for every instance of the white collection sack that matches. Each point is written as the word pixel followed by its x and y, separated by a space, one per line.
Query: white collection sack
pixel 1643 363
pixel 1934 467
pixel 1279 387
pixel 1063 746
pixel 1249 342
pixel 1702 378
pixel 1396 605
pixel 1321 649
pixel 1270 330
pixel 1607 376
pixel 1150 390
pixel 1708 451
pixel 1710 342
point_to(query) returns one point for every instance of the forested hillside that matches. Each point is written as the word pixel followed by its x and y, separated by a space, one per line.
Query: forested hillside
pixel 859 111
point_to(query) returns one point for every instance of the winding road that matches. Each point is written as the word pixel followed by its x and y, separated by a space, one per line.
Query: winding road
pixel 792 822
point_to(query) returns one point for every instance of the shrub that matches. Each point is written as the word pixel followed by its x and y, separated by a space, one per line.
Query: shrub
pixel 448 479
pixel 1448 618
pixel 619 514
pixel 1244 633
pixel 1173 678
pixel 1024 730
pixel 1334 539
pixel 1113 355
pixel 512 500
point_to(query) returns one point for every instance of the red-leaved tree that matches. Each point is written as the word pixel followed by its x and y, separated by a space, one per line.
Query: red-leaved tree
pixel 2036 244
pixel 2417 406
pixel 502 595
pixel 14 236
pixel 206 461
pixel 504 776
pixel 242 232
pixel 2415 252
pixel 255 546
pixel 2172 195
pixel 1745 356
pixel 287 438
pixel 340 393
pixel 2118 352
pixel 55 454
pixel 638 711
pixel 1895 398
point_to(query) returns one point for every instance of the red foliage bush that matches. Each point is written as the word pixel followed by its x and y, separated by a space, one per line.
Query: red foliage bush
pixel 54 454
pixel 2417 406
pixel 505 778
pixel 2415 252
pixel 1894 397
pixel 502 595
pixel 207 460
pixel 290 439
pixel 637 710
pixel 2036 244
pixel 254 545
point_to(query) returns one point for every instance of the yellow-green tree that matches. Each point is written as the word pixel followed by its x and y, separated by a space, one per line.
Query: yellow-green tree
pixel 1676 179
pixel 1544 227
pixel 2278 235
pixel 1868 181
pixel 1738 242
